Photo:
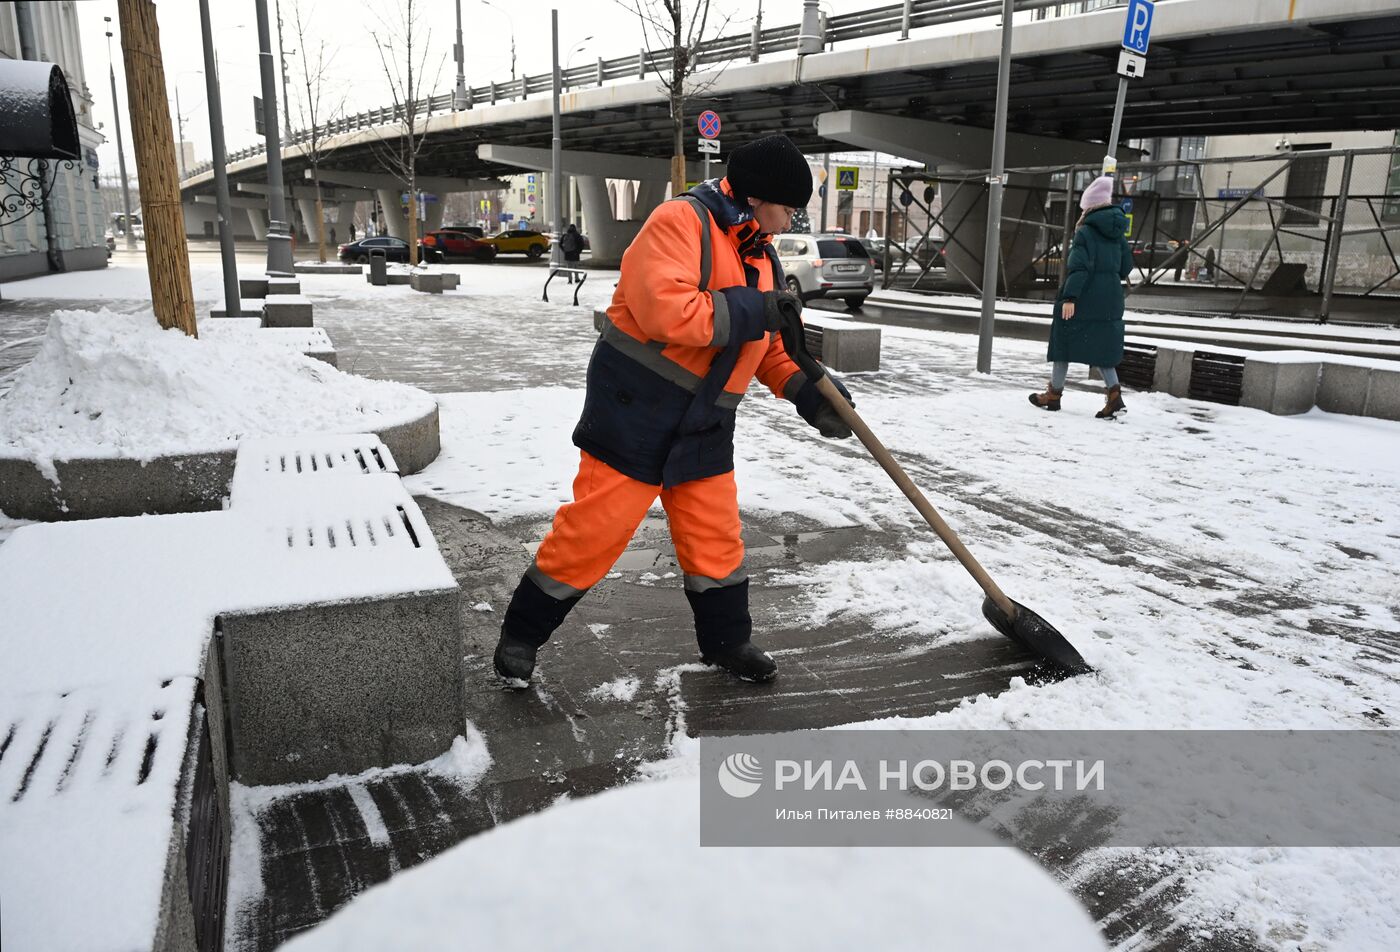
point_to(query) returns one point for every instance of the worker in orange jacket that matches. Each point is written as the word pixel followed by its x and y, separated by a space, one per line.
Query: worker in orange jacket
pixel 691 323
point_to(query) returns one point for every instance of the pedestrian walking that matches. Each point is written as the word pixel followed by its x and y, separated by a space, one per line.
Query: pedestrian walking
pixel 1087 327
pixel 352 231
pixel 1183 252
pixel 571 243
pixel 1209 275
pixel 690 325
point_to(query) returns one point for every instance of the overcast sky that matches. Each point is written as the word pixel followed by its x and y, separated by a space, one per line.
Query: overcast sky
pixel 355 71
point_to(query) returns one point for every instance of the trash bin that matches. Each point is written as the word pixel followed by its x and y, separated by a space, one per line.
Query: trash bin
pixel 378 267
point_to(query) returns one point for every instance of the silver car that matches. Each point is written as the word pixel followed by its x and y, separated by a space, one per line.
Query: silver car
pixel 829 266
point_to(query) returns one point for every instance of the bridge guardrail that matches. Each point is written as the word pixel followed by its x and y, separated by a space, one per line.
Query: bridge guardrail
pixel 894 18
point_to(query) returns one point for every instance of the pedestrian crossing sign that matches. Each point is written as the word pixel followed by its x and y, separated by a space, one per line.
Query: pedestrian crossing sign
pixel 847 177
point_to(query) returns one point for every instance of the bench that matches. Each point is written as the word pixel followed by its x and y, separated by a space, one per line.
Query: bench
pixel 427 282
pixel 1281 382
pixel 843 345
pixel 287 310
pixel 311 341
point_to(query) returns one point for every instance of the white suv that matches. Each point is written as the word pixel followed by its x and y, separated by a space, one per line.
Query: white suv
pixel 830 266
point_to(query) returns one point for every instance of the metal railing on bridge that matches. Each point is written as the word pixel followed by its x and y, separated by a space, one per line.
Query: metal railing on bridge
pixel 898 18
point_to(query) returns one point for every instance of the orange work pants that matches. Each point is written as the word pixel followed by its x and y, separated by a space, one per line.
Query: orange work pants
pixel 591 532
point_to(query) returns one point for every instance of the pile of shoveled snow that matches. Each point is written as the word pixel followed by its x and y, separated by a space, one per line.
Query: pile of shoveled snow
pixel 105 384
pixel 625 870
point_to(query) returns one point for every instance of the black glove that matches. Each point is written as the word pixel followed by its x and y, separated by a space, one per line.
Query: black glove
pixel 773 304
pixel 818 411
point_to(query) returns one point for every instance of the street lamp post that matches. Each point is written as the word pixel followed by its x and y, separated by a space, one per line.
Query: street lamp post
pixel 459 95
pixel 992 248
pixel 510 21
pixel 279 240
pixel 556 192
pixel 121 150
pixel 180 123
pixel 233 306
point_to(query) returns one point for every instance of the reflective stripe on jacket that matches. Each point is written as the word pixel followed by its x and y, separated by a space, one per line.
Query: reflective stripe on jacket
pixel 671 364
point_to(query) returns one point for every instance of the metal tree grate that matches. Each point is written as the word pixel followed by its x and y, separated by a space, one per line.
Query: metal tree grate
pixel 1139 366
pixel 206 847
pixel 1216 378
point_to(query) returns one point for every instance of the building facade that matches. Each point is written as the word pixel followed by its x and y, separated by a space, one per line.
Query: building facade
pixel 71 236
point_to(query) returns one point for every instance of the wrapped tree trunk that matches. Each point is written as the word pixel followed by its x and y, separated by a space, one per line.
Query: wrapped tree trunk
pixel 167 254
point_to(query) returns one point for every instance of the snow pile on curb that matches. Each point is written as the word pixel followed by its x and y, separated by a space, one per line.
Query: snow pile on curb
pixel 107 384
pixel 625 870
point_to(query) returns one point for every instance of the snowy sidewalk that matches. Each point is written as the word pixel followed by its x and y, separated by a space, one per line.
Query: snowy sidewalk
pixel 1220 568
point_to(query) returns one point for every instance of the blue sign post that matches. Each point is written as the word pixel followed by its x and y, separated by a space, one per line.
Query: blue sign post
pixel 1137 30
pixel 1137 33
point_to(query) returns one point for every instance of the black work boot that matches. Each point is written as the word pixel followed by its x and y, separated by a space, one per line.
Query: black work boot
pixel 515 660
pixel 723 626
pixel 530 619
pixel 746 661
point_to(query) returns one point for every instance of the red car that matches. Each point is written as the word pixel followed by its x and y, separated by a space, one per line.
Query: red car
pixel 448 245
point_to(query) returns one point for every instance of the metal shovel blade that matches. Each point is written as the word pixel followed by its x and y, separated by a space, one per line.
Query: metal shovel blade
pixel 1037 636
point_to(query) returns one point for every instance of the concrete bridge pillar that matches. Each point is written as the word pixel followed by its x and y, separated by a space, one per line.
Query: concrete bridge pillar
pixel 650 193
pixel 607 236
pixel 965 215
pixel 433 211
pixel 344 215
pixel 394 218
pixel 257 219
pixel 307 207
pixel 948 146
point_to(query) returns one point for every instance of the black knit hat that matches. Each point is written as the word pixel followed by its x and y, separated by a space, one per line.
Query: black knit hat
pixel 771 169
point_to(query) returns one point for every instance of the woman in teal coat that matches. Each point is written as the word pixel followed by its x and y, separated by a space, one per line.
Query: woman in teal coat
pixel 1088 317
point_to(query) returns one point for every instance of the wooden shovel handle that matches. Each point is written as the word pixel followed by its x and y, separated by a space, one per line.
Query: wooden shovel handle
pixel 901 479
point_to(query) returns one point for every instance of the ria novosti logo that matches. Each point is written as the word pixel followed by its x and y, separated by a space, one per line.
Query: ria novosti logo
pixel 740 775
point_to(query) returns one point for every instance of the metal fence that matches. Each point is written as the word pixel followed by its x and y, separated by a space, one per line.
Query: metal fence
pixel 894 18
pixel 1295 227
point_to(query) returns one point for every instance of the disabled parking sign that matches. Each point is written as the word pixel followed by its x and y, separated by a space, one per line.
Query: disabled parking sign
pixel 1137 30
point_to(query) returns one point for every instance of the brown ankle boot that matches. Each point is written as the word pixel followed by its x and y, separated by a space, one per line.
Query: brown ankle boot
pixel 1049 400
pixel 1113 403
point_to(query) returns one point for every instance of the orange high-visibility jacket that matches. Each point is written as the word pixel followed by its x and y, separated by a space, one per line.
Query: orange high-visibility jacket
pixel 681 342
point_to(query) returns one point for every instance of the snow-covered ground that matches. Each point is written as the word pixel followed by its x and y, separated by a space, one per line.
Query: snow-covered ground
pixel 1219 567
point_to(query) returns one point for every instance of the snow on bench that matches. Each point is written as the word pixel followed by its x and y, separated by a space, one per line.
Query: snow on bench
pixel 311 341
pixel 844 345
pixel 314 618
pixel 1277 381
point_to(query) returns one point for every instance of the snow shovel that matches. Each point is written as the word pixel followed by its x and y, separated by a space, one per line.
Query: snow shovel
pixel 1009 617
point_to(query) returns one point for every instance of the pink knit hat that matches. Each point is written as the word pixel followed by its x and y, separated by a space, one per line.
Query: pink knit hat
pixel 1099 192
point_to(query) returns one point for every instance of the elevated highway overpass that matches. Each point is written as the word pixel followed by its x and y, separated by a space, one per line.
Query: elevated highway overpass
pixel 1215 67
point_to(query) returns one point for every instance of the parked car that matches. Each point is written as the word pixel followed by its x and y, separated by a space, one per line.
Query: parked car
pixel 532 244
pixel 919 252
pixel 827 266
pixel 1155 254
pixel 453 245
pixel 876 247
pixel 357 252
pixel 471 230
